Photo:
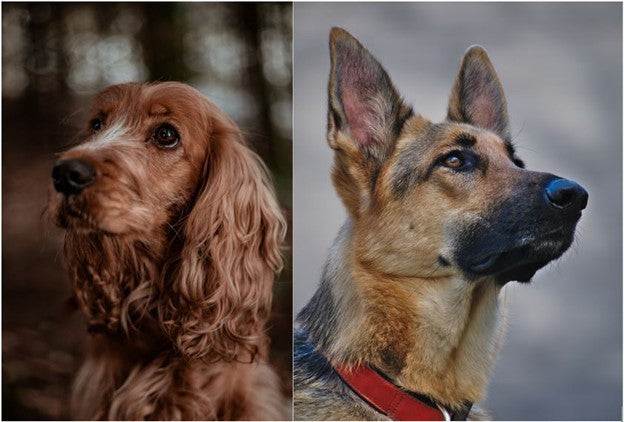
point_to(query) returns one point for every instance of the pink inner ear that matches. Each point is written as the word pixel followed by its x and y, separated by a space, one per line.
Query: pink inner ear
pixel 357 118
pixel 483 112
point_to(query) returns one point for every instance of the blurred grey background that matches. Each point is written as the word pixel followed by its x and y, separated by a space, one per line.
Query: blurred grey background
pixel 561 66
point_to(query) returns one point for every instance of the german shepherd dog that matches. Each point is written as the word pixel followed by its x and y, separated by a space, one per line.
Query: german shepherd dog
pixel 405 324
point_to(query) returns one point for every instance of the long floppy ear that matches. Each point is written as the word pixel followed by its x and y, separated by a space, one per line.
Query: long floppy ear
pixel 477 97
pixel 366 115
pixel 222 284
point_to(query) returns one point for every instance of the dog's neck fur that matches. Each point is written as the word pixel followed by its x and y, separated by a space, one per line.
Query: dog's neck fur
pixel 113 278
pixel 433 336
pixel 132 370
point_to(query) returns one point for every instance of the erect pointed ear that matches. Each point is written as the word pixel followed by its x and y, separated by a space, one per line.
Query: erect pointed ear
pixel 363 104
pixel 477 97
pixel 366 115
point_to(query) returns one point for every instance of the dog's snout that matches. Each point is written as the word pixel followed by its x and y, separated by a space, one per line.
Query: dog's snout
pixel 563 193
pixel 72 176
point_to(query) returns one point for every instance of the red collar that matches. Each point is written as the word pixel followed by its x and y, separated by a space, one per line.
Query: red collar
pixel 389 399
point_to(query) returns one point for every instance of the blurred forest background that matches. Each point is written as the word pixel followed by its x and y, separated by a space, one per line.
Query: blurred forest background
pixel 54 58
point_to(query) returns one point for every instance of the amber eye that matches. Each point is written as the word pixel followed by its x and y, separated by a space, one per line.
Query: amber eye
pixel 454 160
pixel 96 124
pixel 166 136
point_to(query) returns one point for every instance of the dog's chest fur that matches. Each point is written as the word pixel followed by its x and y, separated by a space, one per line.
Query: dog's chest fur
pixel 434 336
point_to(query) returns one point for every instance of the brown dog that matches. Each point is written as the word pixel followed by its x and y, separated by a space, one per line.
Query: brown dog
pixel 405 323
pixel 172 241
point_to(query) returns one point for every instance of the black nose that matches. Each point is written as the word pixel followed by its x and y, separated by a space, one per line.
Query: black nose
pixel 563 193
pixel 72 176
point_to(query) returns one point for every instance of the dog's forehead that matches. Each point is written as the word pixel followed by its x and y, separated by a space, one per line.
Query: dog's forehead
pixel 456 134
pixel 421 138
pixel 170 97
pixel 160 99
pixel 117 95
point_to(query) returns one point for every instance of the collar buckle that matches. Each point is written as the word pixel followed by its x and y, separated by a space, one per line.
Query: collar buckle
pixel 445 413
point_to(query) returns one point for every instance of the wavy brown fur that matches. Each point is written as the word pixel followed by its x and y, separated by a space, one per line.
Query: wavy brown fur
pixel 172 256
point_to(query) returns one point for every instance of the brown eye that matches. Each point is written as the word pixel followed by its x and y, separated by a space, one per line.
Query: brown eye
pixel 460 161
pixel 96 124
pixel 166 136
pixel 454 160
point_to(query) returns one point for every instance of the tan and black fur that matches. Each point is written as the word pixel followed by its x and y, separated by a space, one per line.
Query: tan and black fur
pixel 440 217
